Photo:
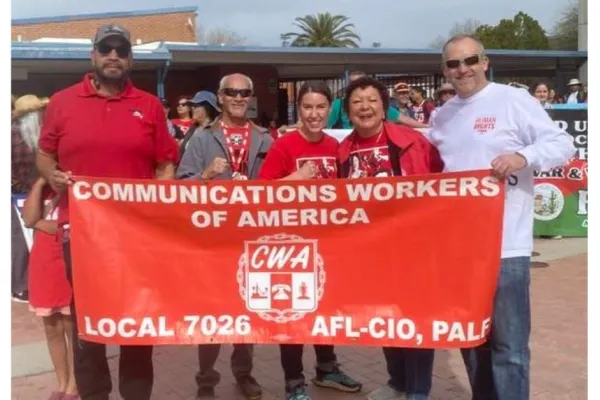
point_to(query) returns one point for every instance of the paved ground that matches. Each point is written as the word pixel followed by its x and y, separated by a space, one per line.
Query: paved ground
pixel 558 345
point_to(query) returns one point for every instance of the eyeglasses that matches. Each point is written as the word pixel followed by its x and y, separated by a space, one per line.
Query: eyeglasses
pixel 230 92
pixel 183 104
pixel 123 50
pixel 468 61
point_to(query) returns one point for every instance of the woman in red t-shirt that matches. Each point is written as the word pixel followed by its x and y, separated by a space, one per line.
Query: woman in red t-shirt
pixel 377 148
pixel 308 153
pixel 184 114
pixel 49 291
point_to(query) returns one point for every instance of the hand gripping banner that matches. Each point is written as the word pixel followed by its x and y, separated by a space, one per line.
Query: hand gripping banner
pixel 407 262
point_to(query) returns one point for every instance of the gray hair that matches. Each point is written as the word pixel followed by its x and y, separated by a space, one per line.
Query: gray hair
pixel 457 38
pixel 223 82
pixel 30 127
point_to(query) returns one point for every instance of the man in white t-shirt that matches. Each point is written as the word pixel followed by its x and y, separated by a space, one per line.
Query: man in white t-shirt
pixel 488 125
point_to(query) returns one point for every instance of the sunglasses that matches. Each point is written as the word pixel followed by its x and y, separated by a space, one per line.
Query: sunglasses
pixel 183 104
pixel 230 92
pixel 445 92
pixel 123 50
pixel 468 61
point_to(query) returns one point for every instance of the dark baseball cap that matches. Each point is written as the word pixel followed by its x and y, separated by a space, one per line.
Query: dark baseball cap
pixel 106 31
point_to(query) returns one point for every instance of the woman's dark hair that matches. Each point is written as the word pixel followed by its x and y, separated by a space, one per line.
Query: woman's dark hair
pixel 363 83
pixel 538 84
pixel 210 110
pixel 315 87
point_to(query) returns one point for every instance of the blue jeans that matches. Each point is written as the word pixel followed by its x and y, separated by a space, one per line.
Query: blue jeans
pixel 410 370
pixel 499 369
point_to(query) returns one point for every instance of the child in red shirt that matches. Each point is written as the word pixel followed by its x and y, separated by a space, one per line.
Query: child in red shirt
pixel 49 291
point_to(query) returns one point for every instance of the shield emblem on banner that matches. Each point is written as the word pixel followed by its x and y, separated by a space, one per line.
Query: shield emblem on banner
pixel 281 278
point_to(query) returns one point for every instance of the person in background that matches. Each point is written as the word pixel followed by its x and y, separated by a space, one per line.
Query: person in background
pixel 25 130
pixel 232 148
pixel 402 100
pixel 338 119
pixel 184 114
pixel 554 97
pixel 374 149
pixel 498 127
pixel 576 94
pixel 541 92
pixel 308 153
pixel 78 139
pixel 421 107
pixel 443 94
pixel 174 130
pixel 205 110
pixel 49 289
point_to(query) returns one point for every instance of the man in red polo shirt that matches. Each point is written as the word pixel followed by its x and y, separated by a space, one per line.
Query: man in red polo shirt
pixel 105 127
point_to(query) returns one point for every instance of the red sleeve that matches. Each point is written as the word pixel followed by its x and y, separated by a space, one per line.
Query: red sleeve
pixel 50 134
pixel 433 157
pixel 428 108
pixel 165 145
pixel 274 167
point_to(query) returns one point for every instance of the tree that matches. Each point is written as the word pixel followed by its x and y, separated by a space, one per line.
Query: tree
pixel 565 33
pixel 467 27
pixel 323 30
pixel 220 37
pixel 521 33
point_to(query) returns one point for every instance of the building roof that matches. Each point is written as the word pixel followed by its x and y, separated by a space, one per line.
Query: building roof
pixel 106 15
pixel 304 62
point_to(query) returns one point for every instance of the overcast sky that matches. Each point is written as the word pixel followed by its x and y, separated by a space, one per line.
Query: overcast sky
pixel 394 23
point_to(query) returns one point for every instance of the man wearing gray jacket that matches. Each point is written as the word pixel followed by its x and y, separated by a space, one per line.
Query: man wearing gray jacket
pixel 231 148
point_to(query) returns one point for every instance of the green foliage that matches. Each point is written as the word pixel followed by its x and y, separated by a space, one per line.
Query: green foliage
pixel 323 30
pixel 521 33
pixel 565 33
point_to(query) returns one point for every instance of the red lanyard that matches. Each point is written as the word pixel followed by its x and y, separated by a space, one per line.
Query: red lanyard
pixel 239 157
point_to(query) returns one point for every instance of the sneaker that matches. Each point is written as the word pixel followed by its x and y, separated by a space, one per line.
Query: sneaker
pixel 22 297
pixel 337 380
pixel 297 393
pixel 205 393
pixel 386 393
pixel 250 388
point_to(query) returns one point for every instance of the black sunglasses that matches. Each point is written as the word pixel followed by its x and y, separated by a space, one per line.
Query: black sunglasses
pixel 468 61
pixel 444 92
pixel 123 50
pixel 184 104
pixel 230 92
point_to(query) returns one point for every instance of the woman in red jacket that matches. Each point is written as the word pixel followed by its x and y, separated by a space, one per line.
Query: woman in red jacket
pixel 308 153
pixel 377 148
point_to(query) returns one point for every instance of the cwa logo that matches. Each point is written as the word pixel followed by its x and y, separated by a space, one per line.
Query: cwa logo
pixel 281 277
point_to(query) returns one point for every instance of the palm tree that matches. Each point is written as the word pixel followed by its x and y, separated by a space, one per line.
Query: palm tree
pixel 323 30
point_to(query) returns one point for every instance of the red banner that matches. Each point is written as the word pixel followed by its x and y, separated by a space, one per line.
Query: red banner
pixel 407 262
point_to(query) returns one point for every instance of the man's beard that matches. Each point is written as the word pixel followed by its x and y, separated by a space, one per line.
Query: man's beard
pixel 107 80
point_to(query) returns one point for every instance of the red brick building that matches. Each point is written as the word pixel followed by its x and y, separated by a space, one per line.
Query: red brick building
pixel 169 24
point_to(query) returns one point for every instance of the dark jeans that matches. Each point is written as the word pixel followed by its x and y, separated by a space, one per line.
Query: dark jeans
pixel 241 363
pixel 291 362
pixel 410 370
pixel 136 373
pixel 19 254
pixel 499 369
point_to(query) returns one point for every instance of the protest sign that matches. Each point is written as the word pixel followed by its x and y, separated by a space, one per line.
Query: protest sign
pixel 560 194
pixel 409 261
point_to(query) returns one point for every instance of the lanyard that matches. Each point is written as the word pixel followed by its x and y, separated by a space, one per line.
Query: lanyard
pixel 238 157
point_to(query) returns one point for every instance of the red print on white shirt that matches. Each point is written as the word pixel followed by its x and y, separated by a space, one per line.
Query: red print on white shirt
pixel 326 166
pixel 484 124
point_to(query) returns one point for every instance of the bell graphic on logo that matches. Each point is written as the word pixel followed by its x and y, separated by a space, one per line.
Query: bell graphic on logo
pixel 281 277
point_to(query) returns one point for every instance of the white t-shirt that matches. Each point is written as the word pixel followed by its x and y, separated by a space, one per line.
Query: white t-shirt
pixel 469 133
